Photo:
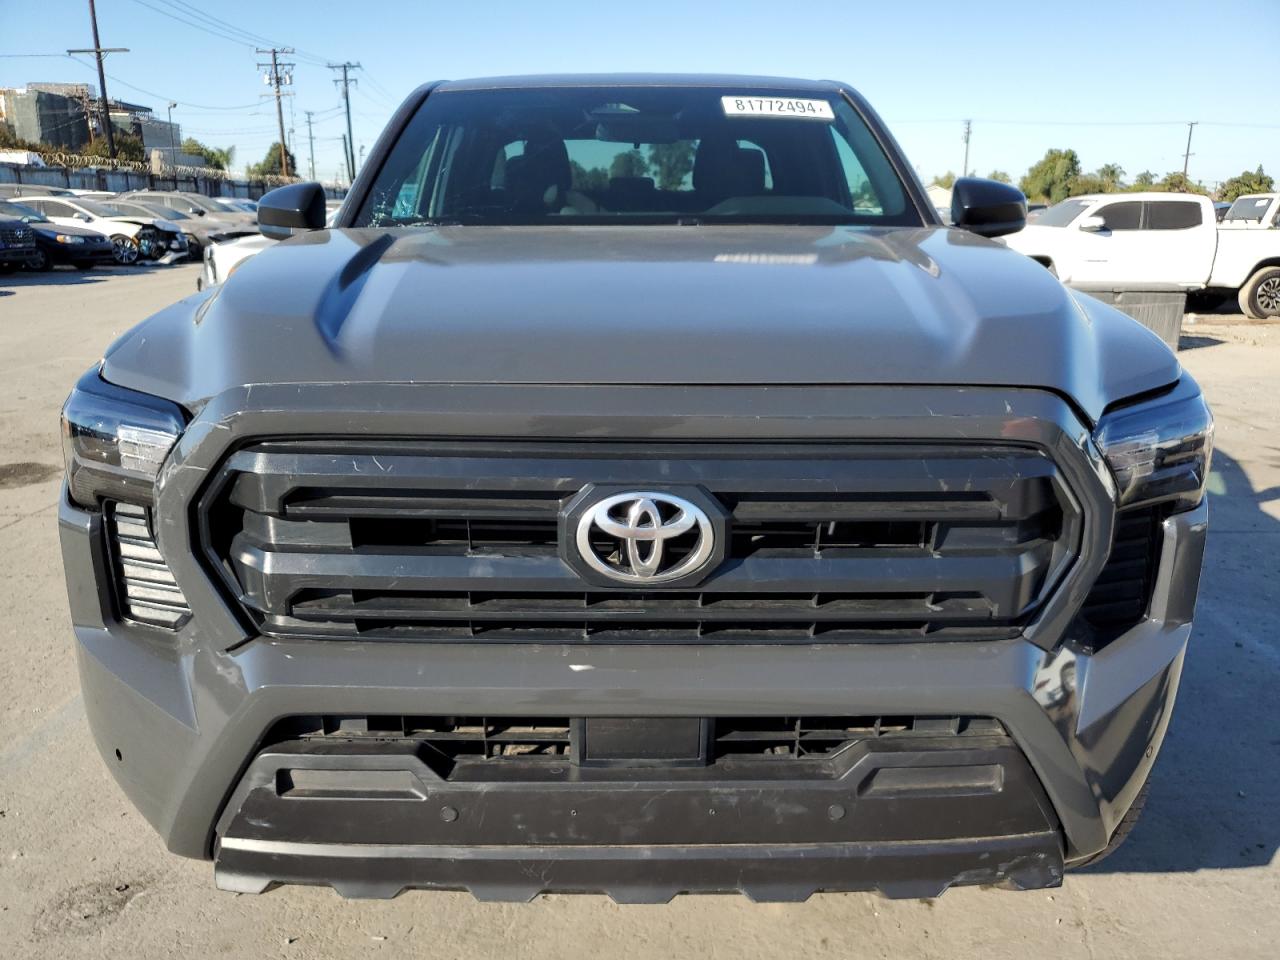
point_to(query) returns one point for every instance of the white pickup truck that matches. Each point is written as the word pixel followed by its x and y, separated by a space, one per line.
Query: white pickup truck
pixel 1156 239
pixel 1253 211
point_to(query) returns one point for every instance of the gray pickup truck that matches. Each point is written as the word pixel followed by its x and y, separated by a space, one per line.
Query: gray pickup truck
pixel 638 490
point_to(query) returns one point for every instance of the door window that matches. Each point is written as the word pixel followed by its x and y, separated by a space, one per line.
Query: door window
pixel 1126 215
pixel 1173 215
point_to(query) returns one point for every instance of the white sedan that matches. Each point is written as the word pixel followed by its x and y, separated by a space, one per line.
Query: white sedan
pixel 131 237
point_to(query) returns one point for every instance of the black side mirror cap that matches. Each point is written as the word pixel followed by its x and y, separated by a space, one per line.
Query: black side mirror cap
pixel 291 209
pixel 988 208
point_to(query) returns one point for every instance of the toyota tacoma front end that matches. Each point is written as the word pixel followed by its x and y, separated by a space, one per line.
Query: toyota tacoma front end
pixel 637 491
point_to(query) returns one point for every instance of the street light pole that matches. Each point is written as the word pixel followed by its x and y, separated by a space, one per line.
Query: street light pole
pixel 173 138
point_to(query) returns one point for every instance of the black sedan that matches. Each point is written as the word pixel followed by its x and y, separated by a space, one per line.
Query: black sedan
pixel 81 248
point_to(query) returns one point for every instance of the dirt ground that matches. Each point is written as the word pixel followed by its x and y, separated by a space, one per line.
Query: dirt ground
pixel 81 875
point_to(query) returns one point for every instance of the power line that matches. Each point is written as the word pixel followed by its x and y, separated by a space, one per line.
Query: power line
pixel 160 96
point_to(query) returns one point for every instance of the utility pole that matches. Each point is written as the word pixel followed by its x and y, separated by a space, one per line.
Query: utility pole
pixel 346 82
pixel 346 158
pixel 275 80
pixel 1186 157
pixel 968 127
pixel 99 51
pixel 311 141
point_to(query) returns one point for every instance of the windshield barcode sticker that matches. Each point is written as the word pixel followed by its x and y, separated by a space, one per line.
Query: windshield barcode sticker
pixel 777 107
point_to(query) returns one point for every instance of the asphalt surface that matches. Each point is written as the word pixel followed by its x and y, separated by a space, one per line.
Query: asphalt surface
pixel 81 874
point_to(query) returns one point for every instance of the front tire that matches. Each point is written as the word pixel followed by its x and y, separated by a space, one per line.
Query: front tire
pixel 1260 296
pixel 124 250
pixel 39 261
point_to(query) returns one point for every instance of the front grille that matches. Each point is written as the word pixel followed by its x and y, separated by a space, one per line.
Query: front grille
pixel 148 592
pixel 458 747
pixel 17 236
pixel 825 543
pixel 1122 592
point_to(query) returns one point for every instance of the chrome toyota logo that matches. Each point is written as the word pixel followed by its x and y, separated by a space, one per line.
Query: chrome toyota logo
pixel 642 537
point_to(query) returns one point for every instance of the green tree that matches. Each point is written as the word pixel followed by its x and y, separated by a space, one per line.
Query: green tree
pixel 218 157
pixel 1144 181
pixel 999 176
pixel 1178 182
pixel 1051 178
pixel 591 180
pixel 671 163
pixel 629 164
pixel 1088 183
pixel 270 165
pixel 128 147
pixel 946 181
pixel 1246 182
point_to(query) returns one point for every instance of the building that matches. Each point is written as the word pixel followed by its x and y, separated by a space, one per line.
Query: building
pixel 39 113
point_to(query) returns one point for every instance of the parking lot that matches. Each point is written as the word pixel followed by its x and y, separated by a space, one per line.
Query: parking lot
pixel 81 875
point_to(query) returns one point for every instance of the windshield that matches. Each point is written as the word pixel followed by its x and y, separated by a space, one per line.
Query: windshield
pixel 160 210
pixel 1249 208
pixel 636 155
pixel 97 209
pixel 214 204
pixel 119 209
pixel 17 211
pixel 1061 214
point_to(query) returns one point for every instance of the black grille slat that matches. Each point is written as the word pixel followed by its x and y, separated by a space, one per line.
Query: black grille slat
pixel 1122 591
pixel 456 541
pixel 475 748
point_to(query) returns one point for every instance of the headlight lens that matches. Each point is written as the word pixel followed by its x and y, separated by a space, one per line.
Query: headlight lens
pixel 114 441
pixel 1160 449
pixel 64 238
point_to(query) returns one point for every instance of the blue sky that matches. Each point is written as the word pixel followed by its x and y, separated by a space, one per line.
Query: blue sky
pixel 1115 81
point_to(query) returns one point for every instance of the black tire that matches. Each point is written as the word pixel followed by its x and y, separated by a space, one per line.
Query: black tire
pixel 39 261
pixel 1260 296
pixel 1122 831
pixel 124 250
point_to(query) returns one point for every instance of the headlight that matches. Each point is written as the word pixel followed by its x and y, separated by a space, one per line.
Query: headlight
pixel 114 441
pixel 1159 449
pixel 63 238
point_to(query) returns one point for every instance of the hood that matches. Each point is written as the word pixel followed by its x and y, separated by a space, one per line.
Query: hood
pixel 642 305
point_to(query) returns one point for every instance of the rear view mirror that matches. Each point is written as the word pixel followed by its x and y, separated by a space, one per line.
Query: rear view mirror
pixel 292 209
pixel 987 207
pixel 637 129
pixel 1092 224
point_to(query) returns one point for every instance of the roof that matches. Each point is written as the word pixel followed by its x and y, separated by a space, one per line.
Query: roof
pixel 1140 195
pixel 643 80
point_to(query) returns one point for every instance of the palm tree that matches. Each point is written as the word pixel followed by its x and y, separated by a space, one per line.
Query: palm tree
pixel 1111 174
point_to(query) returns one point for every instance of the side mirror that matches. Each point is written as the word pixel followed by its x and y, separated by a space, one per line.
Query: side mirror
pixel 1092 224
pixel 987 207
pixel 291 209
pixel 84 217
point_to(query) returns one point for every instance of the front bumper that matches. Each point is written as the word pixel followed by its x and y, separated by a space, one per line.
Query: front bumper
pixel 181 723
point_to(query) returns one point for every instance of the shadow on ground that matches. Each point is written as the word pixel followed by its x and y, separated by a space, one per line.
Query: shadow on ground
pixel 1214 789
pixel 69 276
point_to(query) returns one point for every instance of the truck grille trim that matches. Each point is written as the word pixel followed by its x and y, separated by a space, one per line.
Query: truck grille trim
pixel 454 541
pixel 525 739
